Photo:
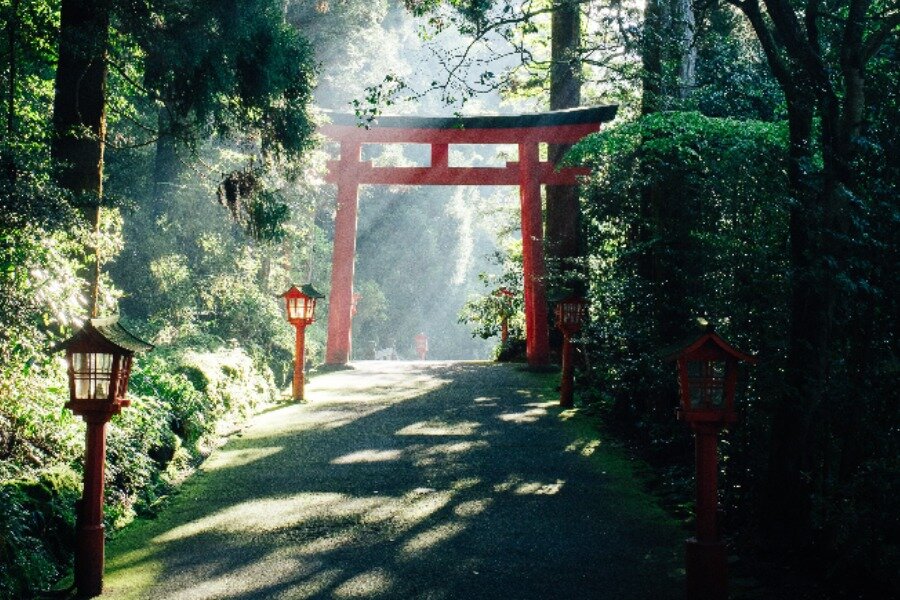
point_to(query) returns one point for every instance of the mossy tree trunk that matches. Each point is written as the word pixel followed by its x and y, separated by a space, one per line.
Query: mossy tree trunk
pixel 563 240
pixel 79 112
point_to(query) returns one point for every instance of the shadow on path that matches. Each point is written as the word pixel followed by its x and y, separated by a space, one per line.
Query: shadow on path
pixel 407 480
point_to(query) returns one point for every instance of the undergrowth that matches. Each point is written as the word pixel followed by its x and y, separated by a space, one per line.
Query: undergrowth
pixel 183 401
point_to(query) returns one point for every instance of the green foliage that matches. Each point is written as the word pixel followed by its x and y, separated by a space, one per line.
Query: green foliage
pixel 733 79
pixel 486 312
pixel 371 309
pixel 262 213
pixel 234 67
pixel 37 527
pixel 205 280
pixel 709 244
pixel 182 400
pixel 182 396
pixel 39 263
pixel 200 390
pixel 688 217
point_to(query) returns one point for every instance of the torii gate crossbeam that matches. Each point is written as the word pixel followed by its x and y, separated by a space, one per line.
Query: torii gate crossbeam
pixel 529 173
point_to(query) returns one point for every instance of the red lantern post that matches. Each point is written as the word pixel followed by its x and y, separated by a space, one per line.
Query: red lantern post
pixel 421 341
pixel 99 360
pixel 300 305
pixel 570 315
pixel 707 378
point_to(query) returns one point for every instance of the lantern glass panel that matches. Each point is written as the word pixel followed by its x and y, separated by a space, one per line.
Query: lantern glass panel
pixel 92 373
pixel 122 378
pixel 571 313
pixel 706 382
pixel 300 308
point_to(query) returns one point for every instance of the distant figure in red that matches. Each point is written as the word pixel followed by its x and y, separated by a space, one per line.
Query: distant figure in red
pixel 421 345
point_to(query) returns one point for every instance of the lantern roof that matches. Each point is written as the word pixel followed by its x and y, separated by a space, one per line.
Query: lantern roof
pixel 105 334
pixel 711 340
pixel 306 289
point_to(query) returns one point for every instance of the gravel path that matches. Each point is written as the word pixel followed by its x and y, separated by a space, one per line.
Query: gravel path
pixel 408 480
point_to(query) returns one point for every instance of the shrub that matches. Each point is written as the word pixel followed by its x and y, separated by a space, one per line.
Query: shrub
pixel 37 526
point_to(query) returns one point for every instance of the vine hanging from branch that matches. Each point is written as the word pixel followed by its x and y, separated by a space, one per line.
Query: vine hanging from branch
pixel 260 212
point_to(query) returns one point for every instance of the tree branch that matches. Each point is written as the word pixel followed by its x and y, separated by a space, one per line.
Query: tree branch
pixel 800 49
pixel 776 61
pixel 890 26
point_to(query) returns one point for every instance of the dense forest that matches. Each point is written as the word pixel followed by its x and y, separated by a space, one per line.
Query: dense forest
pixel 159 160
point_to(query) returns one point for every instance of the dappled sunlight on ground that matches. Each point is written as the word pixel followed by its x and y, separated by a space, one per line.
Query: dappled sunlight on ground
pixel 395 480
pixel 471 508
pixel 278 513
pixel 529 416
pixel 510 482
pixel 538 488
pixel 238 458
pixel 375 582
pixel 367 456
pixel 439 428
pixel 275 569
pixel 430 538
pixel 369 379
pixel 342 398
pixel 583 447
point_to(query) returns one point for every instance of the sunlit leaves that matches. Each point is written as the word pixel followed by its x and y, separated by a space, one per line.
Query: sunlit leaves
pixel 503 300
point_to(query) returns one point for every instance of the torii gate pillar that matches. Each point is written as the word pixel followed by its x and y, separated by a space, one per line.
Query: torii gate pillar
pixel 340 300
pixel 537 332
pixel 529 173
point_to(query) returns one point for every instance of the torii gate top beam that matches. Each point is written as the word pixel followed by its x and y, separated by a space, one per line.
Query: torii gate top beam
pixel 554 127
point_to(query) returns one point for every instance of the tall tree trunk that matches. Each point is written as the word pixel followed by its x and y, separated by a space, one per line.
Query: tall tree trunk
pixel 817 223
pixel 684 35
pixel 651 79
pixel 79 111
pixel 562 240
pixel 668 54
pixel 788 494
pixel 669 59
pixel 167 165
pixel 563 236
pixel 651 56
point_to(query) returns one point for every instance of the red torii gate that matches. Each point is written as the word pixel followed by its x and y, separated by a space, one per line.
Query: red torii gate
pixel 529 173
